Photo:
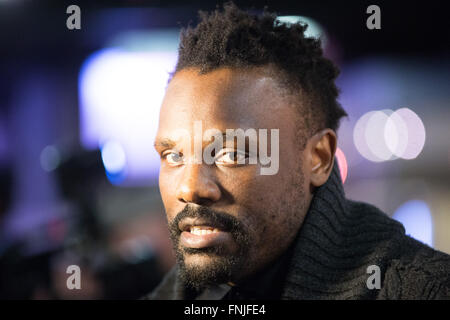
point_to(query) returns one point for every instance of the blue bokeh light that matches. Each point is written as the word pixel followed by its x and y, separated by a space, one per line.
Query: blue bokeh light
pixel 415 215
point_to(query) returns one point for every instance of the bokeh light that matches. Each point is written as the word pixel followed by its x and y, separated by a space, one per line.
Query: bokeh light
pixel 374 135
pixel 115 162
pixel 396 134
pixel 342 163
pixel 416 217
pixel 50 158
pixel 314 30
pixel 387 135
pixel 114 158
pixel 416 133
pixel 359 137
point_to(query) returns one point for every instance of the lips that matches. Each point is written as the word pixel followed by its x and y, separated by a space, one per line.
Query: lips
pixel 199 234
pixel 195 224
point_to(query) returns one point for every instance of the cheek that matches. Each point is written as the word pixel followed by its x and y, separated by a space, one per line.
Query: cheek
pixel 272 221
pixel 258 198
pixel 270 207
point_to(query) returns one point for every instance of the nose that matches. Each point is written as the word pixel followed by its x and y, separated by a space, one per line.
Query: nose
pixel 197 186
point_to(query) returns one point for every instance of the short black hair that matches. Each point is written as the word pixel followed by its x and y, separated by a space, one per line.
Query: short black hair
pixel 237 39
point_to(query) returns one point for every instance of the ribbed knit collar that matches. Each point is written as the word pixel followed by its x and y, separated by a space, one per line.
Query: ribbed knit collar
pixel 337 242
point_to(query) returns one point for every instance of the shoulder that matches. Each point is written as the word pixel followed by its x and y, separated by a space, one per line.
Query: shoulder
pixel 166 290
pixel 419 272
pixel 411 269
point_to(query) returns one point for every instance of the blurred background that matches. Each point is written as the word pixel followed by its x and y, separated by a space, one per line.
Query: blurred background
pixel 79 111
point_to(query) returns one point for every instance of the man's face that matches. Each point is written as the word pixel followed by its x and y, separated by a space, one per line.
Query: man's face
pixel 227 220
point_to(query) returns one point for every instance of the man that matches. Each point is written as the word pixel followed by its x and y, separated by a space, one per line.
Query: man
pixel 289 234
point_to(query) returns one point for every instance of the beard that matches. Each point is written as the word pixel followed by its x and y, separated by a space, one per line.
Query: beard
pixel 223 266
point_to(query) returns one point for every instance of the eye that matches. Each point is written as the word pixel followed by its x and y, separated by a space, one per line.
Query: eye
pixel 231 157
pixel 173 158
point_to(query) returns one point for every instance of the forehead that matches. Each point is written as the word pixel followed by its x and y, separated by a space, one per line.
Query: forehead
pixel 225 98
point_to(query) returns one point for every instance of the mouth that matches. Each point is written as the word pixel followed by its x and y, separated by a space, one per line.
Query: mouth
pixel 199 234
pixel 201 226
pixel 202 230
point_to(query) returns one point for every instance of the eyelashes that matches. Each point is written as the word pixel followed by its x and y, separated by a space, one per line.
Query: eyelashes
pixel 231 157
pixel 225 157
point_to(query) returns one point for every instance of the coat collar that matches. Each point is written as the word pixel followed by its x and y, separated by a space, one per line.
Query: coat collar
pixel 338 240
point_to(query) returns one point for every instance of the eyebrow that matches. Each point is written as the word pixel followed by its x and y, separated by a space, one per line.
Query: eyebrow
pixel 167 143
pixel 164 143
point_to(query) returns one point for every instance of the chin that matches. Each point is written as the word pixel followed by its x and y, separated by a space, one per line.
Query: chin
pixel 201 270
pixel 200 260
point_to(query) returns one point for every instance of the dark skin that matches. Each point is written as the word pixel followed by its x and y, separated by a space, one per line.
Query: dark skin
pixel 272 207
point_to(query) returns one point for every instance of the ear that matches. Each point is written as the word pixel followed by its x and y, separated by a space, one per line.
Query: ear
pixel 321 149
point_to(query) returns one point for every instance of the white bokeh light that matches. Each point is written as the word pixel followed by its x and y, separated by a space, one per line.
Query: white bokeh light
pixel 374 135
pixel 359 137
pixel 387 135
pixel 396 134
pixel 416 133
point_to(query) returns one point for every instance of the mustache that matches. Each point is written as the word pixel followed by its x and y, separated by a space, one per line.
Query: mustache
pixel 224 221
